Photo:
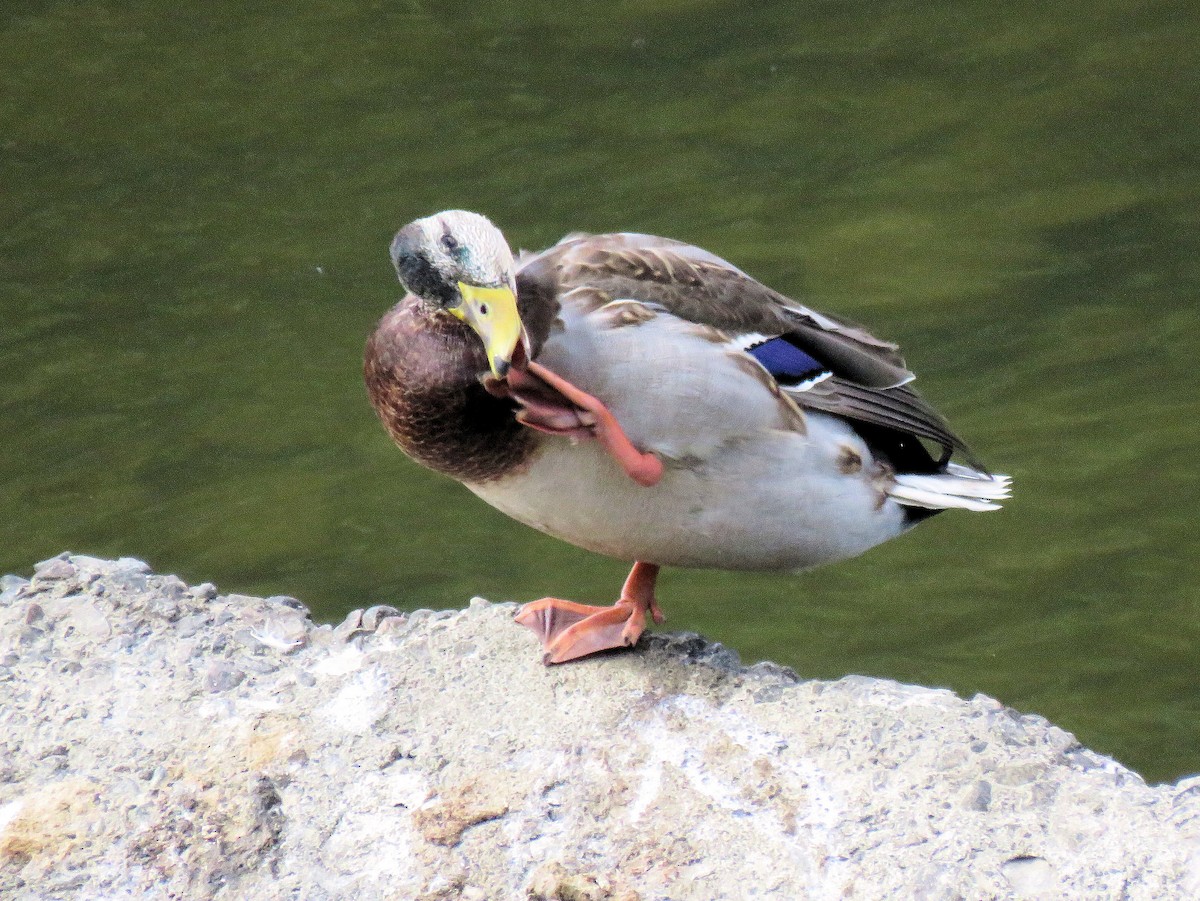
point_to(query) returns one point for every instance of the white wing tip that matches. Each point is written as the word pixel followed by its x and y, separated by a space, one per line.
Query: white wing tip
pixel 958 488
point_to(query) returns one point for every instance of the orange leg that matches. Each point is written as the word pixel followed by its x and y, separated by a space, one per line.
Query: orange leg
pixel 569 630
pixel 645 469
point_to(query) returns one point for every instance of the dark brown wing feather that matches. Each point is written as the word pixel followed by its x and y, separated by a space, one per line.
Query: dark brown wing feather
pixel 899 409
pixel 870 383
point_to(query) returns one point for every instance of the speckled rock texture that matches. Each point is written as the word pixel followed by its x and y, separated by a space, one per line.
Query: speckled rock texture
pixel 165 741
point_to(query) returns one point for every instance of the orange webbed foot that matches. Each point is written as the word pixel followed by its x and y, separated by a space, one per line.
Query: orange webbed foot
pixel 568 630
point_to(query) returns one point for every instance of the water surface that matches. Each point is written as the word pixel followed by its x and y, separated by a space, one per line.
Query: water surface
pixel 195 207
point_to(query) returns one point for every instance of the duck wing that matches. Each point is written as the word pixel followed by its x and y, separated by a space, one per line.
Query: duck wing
pixel 822 362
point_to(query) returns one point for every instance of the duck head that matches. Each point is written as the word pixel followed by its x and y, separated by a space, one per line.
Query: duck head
pixel 459 262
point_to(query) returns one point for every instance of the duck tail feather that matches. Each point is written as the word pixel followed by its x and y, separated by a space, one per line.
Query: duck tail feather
pixel 958 488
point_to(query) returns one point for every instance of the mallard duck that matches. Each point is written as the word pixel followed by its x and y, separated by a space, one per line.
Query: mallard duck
pixel 647 400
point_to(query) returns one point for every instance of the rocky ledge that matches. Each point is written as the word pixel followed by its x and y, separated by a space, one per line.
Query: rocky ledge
pixel 160 740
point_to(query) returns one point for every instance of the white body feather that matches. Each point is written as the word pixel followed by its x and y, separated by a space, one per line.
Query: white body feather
pixel 721 511
pixel 750 483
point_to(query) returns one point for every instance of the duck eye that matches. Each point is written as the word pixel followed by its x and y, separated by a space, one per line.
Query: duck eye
pixel 450 243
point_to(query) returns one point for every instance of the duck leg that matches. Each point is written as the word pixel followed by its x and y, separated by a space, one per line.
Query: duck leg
pixel 552 404
pixel 569 630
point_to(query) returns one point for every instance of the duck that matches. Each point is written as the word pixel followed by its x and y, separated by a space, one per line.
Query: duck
pixel 647 400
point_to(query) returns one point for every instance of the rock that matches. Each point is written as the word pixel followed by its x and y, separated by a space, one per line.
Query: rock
pixel 54 569
pixel 222 676
pixel 459 807
pixel 11 588
pixel 164 741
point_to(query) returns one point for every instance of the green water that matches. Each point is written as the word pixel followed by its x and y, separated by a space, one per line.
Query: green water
pixel 195 208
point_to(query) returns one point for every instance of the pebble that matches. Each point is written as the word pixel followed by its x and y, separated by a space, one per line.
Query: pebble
pixel 129 580
pixel 418 618
pixel 55 569
pixel 375 615
pixel 222 676
pixel 288 601
pixel 349 626
pixel 980 796
pixel 165 608
pixel 241 600
pixel 11 588
pixel 205 591
pixel 172 587
pixel 188 626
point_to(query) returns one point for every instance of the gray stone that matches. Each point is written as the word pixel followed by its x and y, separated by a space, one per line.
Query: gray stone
pixel 205 591
pixel 351 625
pixel 172 587
pixel 187 626
pixel 222 676
pixel 433 757
pixel 129 580
pixel 53 569
pixel 373 616
pixel 96 564
pixel 126 564
pixel 11 588
pixel 288 601
pixel 256 665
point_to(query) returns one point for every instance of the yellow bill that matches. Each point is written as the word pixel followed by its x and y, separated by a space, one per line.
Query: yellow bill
pixel 492 313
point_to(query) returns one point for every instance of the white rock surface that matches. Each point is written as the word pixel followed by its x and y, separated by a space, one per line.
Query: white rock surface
pixel 161 741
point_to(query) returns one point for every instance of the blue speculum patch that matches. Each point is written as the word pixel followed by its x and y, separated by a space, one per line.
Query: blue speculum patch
pixel 786 362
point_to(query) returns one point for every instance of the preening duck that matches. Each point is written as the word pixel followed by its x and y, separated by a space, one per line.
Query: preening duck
pixel 645 399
